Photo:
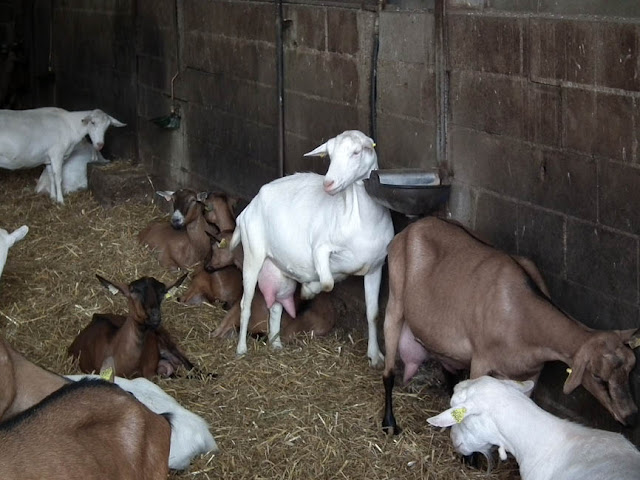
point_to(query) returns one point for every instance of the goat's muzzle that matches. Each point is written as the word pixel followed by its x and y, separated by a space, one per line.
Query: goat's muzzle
pixel 99 146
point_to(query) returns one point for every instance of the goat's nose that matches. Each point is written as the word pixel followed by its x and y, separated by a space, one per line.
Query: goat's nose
pixel 99 145
pixel 209 269
pixel 327 184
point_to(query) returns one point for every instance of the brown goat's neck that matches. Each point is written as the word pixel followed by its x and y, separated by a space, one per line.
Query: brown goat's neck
pixel 560 336
pixel 226 222
pixel 33 383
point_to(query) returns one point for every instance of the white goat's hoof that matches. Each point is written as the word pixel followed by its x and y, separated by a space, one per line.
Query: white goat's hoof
pixel 377 360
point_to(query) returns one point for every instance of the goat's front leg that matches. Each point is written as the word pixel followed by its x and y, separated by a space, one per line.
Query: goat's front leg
pixel 321 261
pixel 56 160
pixel 371 291
pixel 275 314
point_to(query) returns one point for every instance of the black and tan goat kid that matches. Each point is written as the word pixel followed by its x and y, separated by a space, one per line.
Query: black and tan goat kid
pixel 137 342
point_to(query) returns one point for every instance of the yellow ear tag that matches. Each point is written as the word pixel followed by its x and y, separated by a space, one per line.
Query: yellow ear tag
pixel 223 243
pixel 107 374
pixel 635 343
pixel 374 145
pixel 458 414
pixel 208 208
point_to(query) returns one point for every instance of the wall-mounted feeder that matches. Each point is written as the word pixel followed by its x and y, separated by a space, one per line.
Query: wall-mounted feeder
pixel 171 121
pixel 408 191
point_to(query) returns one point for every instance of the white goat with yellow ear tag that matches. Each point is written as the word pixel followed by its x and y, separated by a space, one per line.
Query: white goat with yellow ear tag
pixel 487 412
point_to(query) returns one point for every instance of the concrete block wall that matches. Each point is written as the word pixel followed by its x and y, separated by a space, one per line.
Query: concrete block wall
pixel 95 64
pixel 542 101
pixel 543 141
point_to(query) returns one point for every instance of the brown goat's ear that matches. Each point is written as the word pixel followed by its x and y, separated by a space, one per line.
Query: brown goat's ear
pixel 177 283
pixel 232 202
pixel 631 337
pixel 574 379
pixel 108 369
pixel 113 287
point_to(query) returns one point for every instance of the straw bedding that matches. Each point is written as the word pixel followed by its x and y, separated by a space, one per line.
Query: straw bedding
pixel 312 410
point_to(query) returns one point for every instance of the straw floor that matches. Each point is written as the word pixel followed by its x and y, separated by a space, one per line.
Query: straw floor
pixel 310 411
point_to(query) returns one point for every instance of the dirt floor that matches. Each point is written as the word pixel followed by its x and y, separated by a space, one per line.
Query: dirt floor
pixel 310 411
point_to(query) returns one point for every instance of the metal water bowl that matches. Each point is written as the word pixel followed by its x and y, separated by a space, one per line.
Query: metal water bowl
pixel 408 191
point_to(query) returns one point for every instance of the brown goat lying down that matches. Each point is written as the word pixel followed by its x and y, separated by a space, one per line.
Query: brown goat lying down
pixel 182 242
pixel 137 343
pixel 473 307
pixel 86 430
pixel 316 316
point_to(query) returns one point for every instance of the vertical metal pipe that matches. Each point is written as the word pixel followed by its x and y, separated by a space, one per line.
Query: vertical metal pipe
pixel 280 85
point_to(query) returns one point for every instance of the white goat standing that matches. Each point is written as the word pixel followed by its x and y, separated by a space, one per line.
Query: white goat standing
pixel 315 230
pixel 74 169
pixel 190 435
pixel 29 138
pixel 7 240
pixel 486 411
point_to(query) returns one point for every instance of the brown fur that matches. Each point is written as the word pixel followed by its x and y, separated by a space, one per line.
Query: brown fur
pixel 219 211
pixel 474 307
pixel 224 285
pixel 90 431
pixel 316 316
pixel 22 383
pixel 137 343
pixel 185 247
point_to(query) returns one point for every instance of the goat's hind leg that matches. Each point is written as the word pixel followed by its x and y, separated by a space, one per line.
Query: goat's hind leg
pixel 371 291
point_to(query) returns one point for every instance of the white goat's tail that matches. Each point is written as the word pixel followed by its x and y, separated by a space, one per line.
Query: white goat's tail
pixel 235 239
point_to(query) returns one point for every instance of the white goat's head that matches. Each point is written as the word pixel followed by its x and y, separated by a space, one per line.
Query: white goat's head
pixel 96 124
pixel 7 240
pixel 352 159
pixel 474 406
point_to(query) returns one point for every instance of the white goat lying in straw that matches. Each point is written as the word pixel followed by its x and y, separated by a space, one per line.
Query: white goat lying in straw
pixel 190 435
pixel 74 169
pixel 315 230
pixel 7 240
pixel 486 412
pixel 29 138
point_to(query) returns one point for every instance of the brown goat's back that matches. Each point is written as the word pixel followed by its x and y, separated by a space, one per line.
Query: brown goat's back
pixel 87 430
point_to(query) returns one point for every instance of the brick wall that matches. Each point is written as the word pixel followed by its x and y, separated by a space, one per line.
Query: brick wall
pixel 543 140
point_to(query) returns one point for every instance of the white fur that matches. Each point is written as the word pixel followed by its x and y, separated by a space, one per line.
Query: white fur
pixel 318 230
pixel 74 169
pixel 190 435
pixel 499 412
pixel 29 138
pixel 7 240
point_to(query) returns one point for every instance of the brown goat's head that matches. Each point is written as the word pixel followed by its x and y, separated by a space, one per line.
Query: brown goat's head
pixel 602 365
pixel 187 206
pixel 145 296
pixel 221 254
pixel 219 210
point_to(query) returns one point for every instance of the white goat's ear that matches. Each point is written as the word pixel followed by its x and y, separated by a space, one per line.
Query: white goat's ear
pixel 166 194
pixel 116 123
pixel 449 417
pixel 321 151
pixel 18 234
pixel 202 196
